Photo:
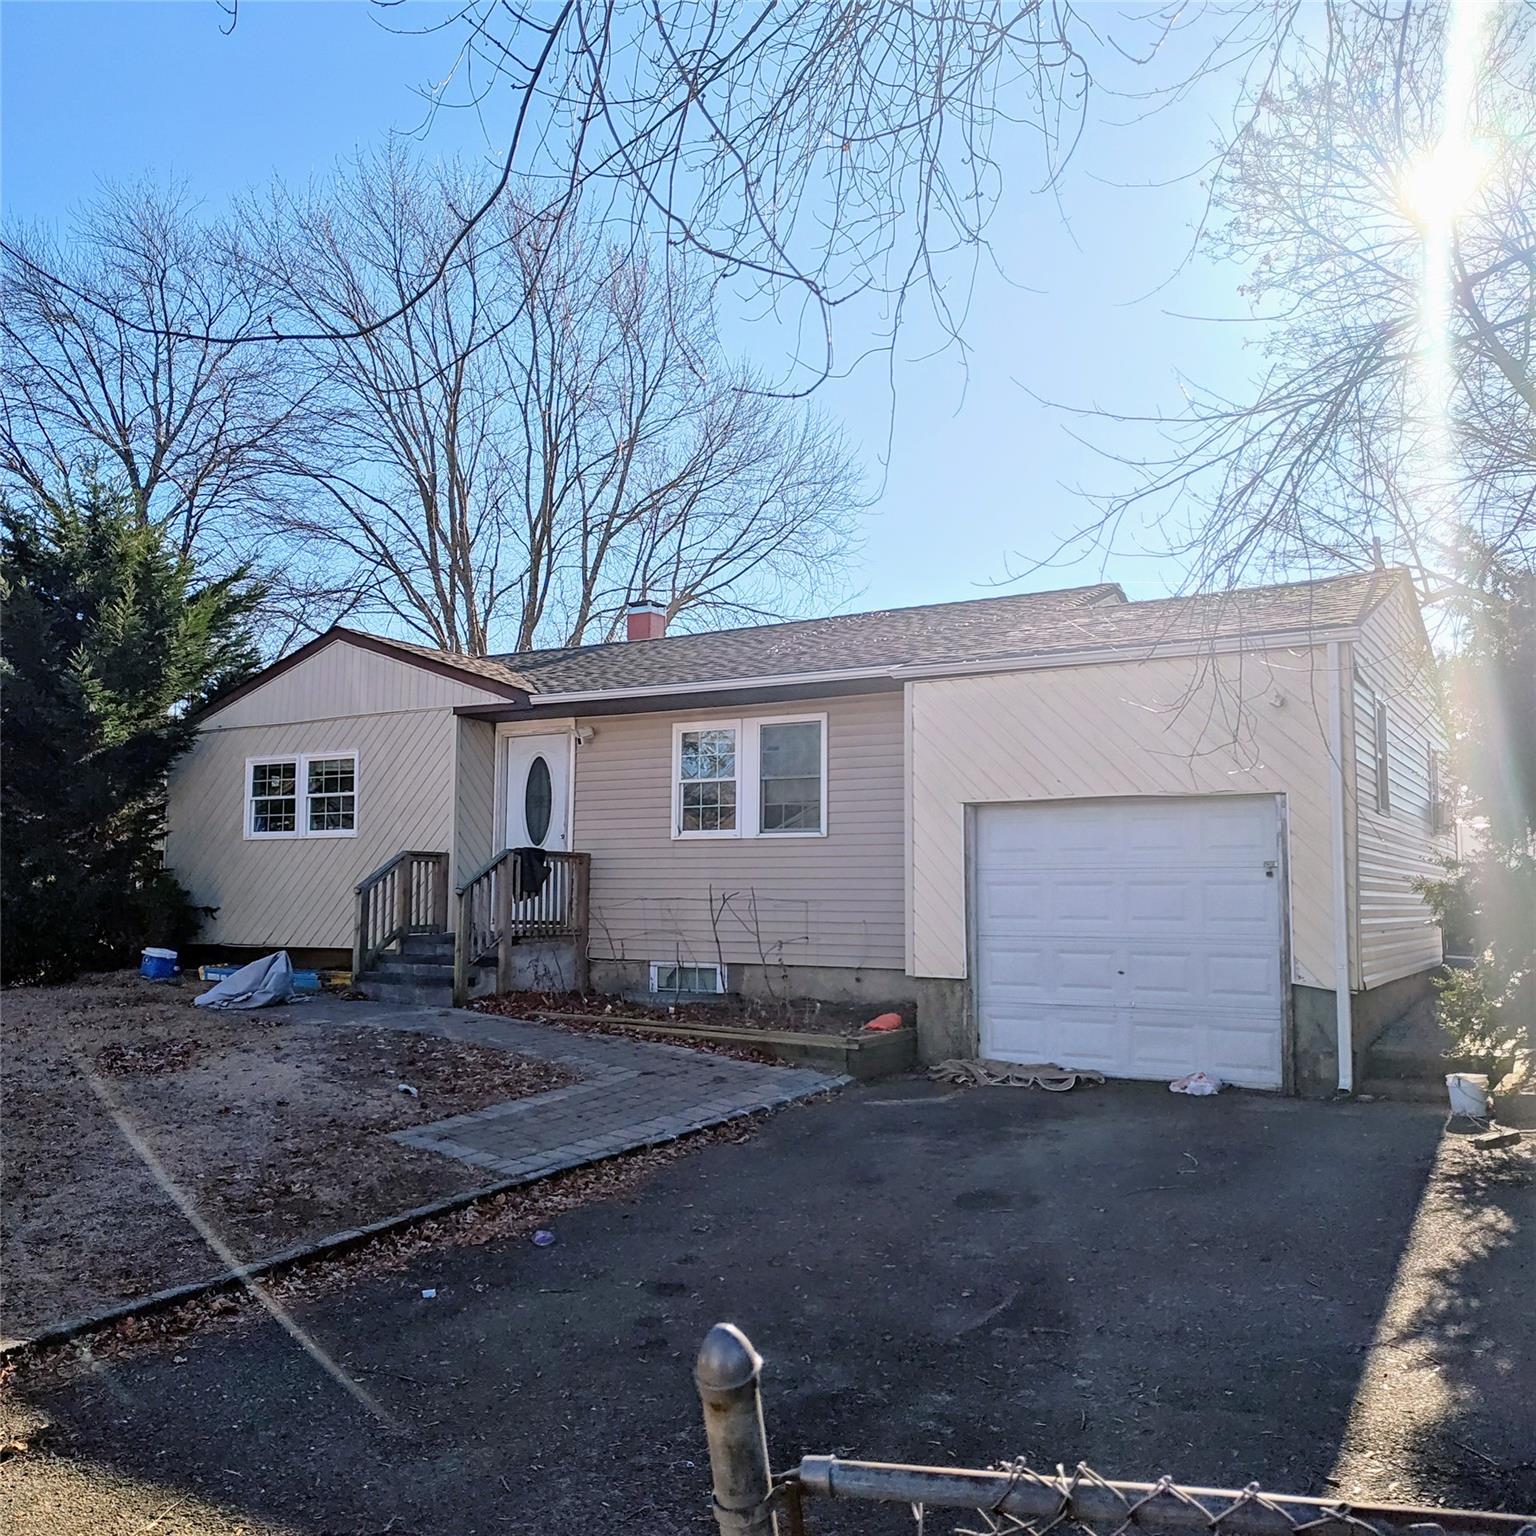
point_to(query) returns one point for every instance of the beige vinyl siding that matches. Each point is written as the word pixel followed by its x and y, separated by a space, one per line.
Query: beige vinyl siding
pixel 1255 723
pixel 833 900
pixel 297 892
pixel 475 798
pixel 346 679
pixel 1395 931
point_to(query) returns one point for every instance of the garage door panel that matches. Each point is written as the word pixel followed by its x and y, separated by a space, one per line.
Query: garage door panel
pixel 1227 833
pixel 1160 1044
pixel 1246 1049
pixel 1034 1034
pixel 1086 904
pixel 1238 907
pixel 1024 899
pixel 1141 938
pixel 1153 905
pixel 1240 978
pixel 1087 975
pixel 1167 976
pixel 1018 967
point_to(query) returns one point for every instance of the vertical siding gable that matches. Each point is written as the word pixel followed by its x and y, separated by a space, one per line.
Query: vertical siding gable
pixel 342 680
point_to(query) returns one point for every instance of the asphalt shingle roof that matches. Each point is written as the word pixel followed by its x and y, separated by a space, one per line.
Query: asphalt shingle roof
pixel 940 634
pixel 493 668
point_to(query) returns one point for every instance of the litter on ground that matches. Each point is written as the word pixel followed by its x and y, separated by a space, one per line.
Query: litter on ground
pixel 1013 1074
pixel 1199 1085
pixel 257 985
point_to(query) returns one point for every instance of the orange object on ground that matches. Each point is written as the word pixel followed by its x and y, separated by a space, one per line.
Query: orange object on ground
pixel 885 1021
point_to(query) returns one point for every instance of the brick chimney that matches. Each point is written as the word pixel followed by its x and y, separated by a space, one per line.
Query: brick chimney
pixel 647 620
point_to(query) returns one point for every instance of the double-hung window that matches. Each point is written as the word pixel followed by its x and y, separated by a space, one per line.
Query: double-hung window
pixel 301 795
pixel 707 771
pixel 750 778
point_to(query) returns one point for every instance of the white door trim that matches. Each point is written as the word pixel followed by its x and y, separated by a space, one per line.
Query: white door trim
pixel 505 736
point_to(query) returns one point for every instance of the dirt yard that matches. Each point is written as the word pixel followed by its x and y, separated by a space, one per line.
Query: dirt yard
pixel 272 1131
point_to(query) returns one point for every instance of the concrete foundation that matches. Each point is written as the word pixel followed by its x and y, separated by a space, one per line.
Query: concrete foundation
pixel 1314 1043
pixel 820 983
pixel 548 966
pixel 946 1024
pixel 946 1027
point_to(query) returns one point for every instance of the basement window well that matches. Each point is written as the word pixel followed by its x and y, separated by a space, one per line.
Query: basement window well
pixel 669 977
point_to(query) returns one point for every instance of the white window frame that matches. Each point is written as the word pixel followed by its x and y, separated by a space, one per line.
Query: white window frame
pixel 1381 747
pixel 679 728
pixel 301 762
pixel 657 966
pixel 749 782
pixel 1441 815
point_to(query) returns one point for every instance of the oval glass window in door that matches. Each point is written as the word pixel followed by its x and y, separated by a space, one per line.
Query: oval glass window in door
pixel 538 801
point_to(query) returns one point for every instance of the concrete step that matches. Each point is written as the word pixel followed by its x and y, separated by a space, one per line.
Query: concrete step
pixel 414 972
pixel 432 995
pixel 428 944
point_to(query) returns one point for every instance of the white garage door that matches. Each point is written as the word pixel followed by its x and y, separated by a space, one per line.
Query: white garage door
pixel 1138 937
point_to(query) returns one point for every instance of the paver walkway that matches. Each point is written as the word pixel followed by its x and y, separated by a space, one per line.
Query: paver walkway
pixel 631 1093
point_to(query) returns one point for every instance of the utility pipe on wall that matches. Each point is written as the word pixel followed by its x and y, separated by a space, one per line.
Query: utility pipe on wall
pixel 1338 788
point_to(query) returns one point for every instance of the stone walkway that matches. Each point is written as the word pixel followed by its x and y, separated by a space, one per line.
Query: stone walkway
pixel 631 1094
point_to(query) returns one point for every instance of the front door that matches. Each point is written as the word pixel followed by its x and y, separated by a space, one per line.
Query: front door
pixel 538 794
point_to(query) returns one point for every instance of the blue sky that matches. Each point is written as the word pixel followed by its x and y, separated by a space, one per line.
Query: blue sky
pixel 981 477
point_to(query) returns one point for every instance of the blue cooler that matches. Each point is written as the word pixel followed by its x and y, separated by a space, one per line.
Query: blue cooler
pixel 158 964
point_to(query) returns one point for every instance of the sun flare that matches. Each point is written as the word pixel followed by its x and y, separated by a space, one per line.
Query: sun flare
pixel 1438 186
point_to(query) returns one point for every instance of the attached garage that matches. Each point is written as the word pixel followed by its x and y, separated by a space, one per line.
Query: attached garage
pixel 1139 937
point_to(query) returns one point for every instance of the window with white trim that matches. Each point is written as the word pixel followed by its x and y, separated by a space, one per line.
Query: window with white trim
pixel 789 776
pixel 1442 815
pixel 305 795
pixel 706 776
pixel 1383 761
pixel 750 778
pixel 273 799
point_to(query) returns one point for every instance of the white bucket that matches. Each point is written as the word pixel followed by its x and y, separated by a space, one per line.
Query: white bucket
pixel 1469 1094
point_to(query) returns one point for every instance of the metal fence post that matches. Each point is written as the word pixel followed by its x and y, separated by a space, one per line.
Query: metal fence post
pixel 727 1376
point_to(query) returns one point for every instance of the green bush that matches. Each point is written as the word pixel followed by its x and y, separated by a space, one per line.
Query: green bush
pixel 1488 901
pixel 108 642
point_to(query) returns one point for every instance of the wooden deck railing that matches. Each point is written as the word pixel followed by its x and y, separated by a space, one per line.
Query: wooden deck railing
pixel 409 894
pixel 492 917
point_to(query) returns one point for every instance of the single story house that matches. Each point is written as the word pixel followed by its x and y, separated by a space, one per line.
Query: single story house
pixel 1144 837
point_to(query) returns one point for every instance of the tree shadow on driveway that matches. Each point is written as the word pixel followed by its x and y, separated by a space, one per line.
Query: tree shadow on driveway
pixel 1148 1283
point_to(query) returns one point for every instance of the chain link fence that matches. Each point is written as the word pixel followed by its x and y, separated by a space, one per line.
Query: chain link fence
pixel 1012 1499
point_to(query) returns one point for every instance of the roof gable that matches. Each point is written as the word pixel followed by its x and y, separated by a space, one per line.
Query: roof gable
pixel 479 680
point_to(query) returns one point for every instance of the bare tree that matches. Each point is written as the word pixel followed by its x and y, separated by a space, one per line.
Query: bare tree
pixel 817 152
pixel 1383 203
pixel 552 429
pixel 197 431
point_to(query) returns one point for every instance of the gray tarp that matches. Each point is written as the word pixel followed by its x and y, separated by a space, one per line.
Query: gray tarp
pixel 257 985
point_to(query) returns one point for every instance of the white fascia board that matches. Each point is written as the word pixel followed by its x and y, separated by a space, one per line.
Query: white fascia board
pixel 1108 655
pixel 710 685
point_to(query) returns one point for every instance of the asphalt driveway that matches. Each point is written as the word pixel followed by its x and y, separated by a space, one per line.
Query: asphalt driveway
pixel 1332 1300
